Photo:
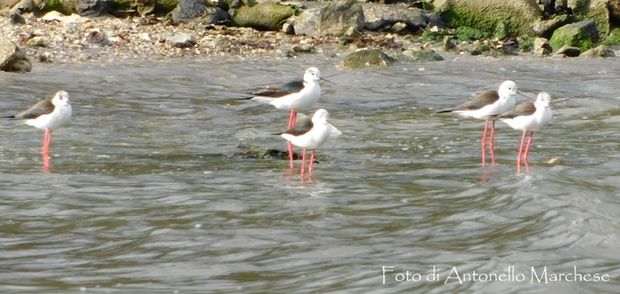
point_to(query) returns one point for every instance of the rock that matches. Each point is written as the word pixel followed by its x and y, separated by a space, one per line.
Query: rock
pixel 569 51
pixel 484 15
pixel 555 161
pixel 422 55
pixel 181 40
pixel 96 37
pixel 542 47
pixel 190 10
pixel 223 44
pixel 187 10
pixel 92 7
pixel 256 152
pixel 304 47
pixel 8 4
pixel 580 34
pixel 366 58
pixel 207 16
pixel 599 51
pixel 264 16
pixel 24 6
pixel 448 43
pixel 36 41
pixel 593 10
pixel 544 28
pixel 288 28
pixel 333 19
pixel 16 18
pixel 380 16
pixel 12 58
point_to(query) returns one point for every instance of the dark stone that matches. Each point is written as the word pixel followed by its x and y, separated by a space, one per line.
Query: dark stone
pixel 569 51
pixel 188 10
pixel 16 18
pixel 93 7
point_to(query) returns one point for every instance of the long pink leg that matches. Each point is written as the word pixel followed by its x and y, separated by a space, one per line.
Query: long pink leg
pixel 527 151
pixel 311 162
pixel 520 152
pixel 492 143
pixel 303 161
pixel 47 138
pixel 291 122
pixel 483 142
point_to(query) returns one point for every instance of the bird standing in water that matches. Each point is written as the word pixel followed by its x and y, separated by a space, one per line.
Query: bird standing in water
pixel 529 117
pixel 484 106
pixel 310 134
pixel 294 96
pixel 47 115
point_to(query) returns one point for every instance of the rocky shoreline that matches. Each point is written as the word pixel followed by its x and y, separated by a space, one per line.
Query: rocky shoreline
pixel 410 30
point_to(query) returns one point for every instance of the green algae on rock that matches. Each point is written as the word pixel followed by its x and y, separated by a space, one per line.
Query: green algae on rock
pixel 580 34
pixel 264 16
pixel 485 15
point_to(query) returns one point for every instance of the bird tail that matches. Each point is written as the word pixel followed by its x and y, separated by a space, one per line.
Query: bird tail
pixel 262 99
pixel 444 111
pixel 8 116
pixel 288 137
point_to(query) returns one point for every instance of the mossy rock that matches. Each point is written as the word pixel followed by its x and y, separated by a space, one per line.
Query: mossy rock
pixel 264 16
pixel 513 16
pixel 594 10
pixel 574 35
pixel 613 38
pixel 366 58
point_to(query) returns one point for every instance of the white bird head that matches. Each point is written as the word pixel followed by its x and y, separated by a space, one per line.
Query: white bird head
pixel 320 117
pixel 543 99
pixel 507 89
pixel 61 99
pixel 312 74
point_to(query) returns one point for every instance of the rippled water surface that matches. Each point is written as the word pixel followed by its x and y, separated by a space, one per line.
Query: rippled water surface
pixel 149 192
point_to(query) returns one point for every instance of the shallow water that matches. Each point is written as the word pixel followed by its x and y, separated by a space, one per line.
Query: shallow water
pixel 148 193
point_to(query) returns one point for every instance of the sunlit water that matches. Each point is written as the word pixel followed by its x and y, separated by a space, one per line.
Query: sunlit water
pixel 148 193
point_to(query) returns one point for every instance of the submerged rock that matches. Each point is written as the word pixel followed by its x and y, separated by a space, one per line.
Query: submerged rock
pixel 421 55
pixel 256 152
pixel 13 59
pixel 333 19
pixel 580 34
pixel 366 58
